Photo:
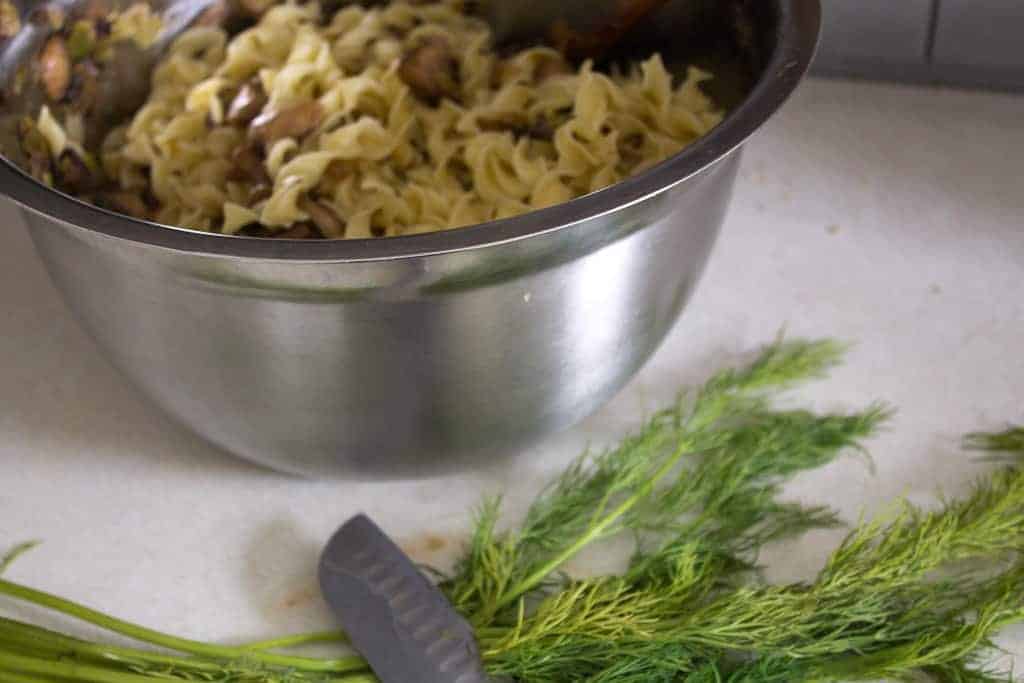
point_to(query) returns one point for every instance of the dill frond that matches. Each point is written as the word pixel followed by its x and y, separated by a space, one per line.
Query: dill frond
pixel 1008 443
pixel 965 671
pixel 721 440
pixel 14 553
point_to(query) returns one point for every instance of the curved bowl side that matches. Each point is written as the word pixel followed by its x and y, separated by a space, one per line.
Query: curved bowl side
pixel 455 359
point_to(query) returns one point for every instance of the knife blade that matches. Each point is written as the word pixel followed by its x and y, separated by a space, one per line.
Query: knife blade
pixel 395 617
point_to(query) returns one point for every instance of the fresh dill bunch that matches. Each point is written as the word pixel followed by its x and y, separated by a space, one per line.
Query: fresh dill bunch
pixel 912 594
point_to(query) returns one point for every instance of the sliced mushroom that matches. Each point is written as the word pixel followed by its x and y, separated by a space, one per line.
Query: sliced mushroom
pixel 55 68
pixel 75 174
pixel 515 121
pixel 431 70
pixel 36 149
pixel 518 123
pixel 10 20
pixel 541 129
pixel 85 87
pixel 247 104
pixel 248 166
pixel 323 216
pixel 128 203
pixel 293 122
pixel 300 231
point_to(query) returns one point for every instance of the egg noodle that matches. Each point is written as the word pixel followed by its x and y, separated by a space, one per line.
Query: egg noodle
pixel 515 136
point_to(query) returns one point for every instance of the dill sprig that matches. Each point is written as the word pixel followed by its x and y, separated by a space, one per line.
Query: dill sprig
pixel 719 445
pixel 1007 444
pixel 910 594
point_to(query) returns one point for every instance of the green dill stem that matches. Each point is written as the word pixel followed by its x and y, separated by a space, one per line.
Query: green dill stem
pixel 67 669
pixel 297 640
pixel 12 677
pixel 594 532
pixel 142 634
pixel 28 636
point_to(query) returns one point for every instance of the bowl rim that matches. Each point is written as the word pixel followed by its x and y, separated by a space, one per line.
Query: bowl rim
pixel 799 23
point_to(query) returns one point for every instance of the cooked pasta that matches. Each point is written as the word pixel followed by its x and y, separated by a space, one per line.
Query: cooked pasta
pixel 383 121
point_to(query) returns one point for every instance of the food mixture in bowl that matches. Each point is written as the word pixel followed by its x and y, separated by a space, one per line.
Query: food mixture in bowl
pixel 363 122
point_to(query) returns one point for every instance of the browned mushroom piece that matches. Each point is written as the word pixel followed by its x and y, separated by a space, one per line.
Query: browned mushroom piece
pixel 323 216
pixel 519 124
pixel 514 121
pixel 47 16
pixel 300 231
pixel 36 149
pixel 55 68
pixel 431 70
pixel 128 203
pixel 248 166
pixel 541 129
pixel 85 87
pixel 10 20
pixel 247 104
pixel 293 122
pixel 75 174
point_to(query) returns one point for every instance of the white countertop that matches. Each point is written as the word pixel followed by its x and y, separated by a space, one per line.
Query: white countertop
pixel 888 216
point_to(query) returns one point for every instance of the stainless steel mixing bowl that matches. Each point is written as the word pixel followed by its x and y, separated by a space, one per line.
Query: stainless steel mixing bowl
pixel 411 355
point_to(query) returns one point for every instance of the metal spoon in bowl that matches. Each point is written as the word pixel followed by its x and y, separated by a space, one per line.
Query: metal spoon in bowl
pixel 580 29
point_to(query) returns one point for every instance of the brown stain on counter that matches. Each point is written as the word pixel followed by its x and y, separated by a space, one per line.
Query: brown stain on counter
pixel 425 548
pixel 299 597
